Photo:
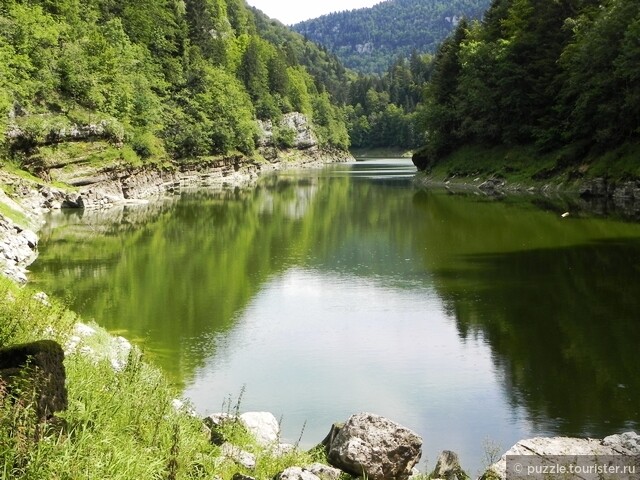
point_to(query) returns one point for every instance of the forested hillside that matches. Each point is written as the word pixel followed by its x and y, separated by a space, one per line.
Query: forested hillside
pixel 561 76
pixel 369 40
pixel 155 80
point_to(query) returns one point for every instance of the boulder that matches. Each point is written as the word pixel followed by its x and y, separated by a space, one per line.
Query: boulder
pixel 263 425
pixel 324 472
pixel 376 447
pixel 545 448
pixel 627 443
pixel 448 467
pixel 39 366
pixel 296 473
pixel 215 422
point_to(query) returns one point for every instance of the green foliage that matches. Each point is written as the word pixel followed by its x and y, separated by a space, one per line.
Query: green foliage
pixel 369 40
pixel 330 126
pixel 284 137
pixel 174 78
pixel 550 75
pixel 382 112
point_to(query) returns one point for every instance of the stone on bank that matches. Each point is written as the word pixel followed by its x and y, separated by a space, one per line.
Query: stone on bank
pixel 374 446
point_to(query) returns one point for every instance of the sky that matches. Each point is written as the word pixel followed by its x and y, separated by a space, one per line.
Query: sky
pixel 293 11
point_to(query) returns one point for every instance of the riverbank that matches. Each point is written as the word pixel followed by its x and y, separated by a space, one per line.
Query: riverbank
pixel 598 183
pixel 25 198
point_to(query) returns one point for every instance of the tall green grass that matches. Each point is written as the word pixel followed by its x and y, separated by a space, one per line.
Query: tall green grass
pixel 119 425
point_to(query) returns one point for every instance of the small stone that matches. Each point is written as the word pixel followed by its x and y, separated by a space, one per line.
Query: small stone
pixel 239 456
pixel 448 467
pixel 324 472
pixel 296 473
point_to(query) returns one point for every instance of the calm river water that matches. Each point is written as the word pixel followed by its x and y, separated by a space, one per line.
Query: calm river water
pixel 475 322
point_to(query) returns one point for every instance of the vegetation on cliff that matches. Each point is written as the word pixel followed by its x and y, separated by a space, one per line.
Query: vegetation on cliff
pixel 157 80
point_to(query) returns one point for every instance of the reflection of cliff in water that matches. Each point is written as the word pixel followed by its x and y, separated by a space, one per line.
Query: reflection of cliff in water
pixel 557 302
pixel 174 274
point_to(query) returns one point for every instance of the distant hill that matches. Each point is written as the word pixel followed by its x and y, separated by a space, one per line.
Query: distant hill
pixel 368 40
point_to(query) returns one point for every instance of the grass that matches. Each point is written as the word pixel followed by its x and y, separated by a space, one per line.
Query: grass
pixel 16 216
pixel 119 425
pixel 525 165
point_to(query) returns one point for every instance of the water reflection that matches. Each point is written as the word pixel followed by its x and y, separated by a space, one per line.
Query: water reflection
pixel 333 291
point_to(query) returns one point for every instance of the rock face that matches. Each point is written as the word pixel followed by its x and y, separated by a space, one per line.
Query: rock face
pixel 39 365
pixel 303 136
pixel 623 444
pixel 376 447
pixel 18 248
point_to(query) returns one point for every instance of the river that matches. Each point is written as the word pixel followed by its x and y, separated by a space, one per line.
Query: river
pixel 322 293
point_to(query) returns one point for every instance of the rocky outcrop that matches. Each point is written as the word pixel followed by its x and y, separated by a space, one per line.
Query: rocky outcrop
pixel 18 248
pixel 543 450
pixel 374 446
pixel 35 369
pixel 294 125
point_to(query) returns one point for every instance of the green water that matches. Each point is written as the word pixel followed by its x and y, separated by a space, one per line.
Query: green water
pixel 340 290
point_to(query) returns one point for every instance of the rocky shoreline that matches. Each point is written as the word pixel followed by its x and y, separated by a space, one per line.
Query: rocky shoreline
pixel 596 195
pixel 107 187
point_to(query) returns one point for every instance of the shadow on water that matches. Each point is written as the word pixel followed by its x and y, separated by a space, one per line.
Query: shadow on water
pixel 563 327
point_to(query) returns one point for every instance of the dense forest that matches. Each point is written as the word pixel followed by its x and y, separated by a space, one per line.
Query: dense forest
pixel 166 80
pixel 158 79
pixel 370 40
pixel 561 76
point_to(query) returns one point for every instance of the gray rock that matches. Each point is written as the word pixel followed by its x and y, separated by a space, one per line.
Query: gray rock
pixel 492 186
pixel 543 447
pixel 448 467
pixel 296 473
pixel 324 472
pixel 73 201
pixel 304 137
pixel 263 425
pixel 627 443
pixel 30 237
pixel 281 449
pixel 376 447
pixel 239 456
pixel 594 188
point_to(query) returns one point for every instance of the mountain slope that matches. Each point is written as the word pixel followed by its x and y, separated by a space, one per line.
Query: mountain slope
pixel 113 81
pixel 370 39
